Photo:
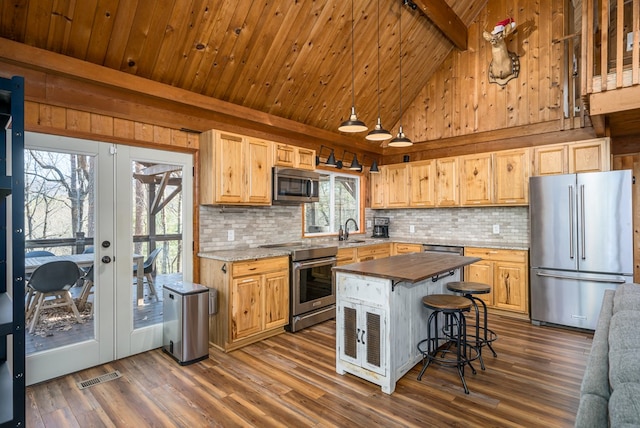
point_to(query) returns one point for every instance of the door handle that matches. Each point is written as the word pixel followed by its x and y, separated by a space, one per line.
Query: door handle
pixel 571 203
pixel 106 259
pixel 106 244
pixel 608 281
pixel 582 233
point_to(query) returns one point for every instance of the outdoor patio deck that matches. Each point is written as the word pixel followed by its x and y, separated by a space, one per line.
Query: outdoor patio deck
pixel 65 330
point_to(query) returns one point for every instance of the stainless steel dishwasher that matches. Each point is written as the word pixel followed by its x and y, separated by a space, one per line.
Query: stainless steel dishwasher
pixel 447 249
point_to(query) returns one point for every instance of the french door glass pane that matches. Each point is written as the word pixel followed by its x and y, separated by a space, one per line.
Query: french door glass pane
pixel 157 236
pixel 59 221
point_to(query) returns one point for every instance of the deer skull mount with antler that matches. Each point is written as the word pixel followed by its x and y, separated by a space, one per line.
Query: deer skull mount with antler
pixel 505 64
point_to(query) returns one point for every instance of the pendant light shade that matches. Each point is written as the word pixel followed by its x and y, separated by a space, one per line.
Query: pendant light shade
pixel 401 140
pixel 331 160
pixel 353 124
pixel 378 133
pixel 374 168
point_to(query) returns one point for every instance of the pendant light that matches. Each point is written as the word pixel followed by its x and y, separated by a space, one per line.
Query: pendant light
pixel 352 124
pixel 401 140
pixel 378 133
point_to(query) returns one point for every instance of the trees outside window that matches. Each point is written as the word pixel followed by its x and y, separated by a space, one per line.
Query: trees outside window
pixel 339 201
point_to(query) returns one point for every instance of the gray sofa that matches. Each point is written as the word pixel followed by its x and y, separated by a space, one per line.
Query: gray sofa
pixel 610 392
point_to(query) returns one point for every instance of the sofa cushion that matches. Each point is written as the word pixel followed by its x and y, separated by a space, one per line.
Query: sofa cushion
pixel 623 331
pixel 623 367
pixel 624 405
pixel 592 412
pixel 627 297
pixel 596 375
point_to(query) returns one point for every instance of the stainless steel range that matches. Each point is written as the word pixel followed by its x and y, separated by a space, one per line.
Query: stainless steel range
pixel 313 289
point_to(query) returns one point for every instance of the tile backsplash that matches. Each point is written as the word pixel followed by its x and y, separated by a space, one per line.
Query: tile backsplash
pixel 473 226
pixel 253 226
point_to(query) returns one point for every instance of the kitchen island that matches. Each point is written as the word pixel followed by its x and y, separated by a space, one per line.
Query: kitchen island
pixel 379 316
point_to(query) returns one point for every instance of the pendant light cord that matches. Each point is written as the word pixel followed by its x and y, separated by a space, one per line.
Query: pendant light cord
pixel 353 61
pixel 400 32
pixel 378 59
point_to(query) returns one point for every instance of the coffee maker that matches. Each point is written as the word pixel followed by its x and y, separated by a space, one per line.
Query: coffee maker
pixel 380 227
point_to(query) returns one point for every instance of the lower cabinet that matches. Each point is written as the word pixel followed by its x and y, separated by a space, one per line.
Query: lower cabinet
pixel 346 256
pixel 253 299
pixel 372 252
pixel 362 335
pixel 507 272
pixel 404 248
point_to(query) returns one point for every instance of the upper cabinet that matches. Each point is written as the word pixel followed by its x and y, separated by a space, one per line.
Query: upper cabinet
pixel 476 184
pixel 234 169
pixel 584 156
pixel 422 179
pixel 397 189
pixel 447 182
pixel 511 177
pixel 294 157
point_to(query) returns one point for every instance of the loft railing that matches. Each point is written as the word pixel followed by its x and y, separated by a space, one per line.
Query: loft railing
pixel 610 44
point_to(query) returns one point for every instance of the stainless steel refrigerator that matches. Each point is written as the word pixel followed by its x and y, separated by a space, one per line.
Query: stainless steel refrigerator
pixel 581 244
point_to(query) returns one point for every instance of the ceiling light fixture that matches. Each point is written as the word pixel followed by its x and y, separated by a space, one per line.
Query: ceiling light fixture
pixel 378 133
pixel 401 140
pixel 353 124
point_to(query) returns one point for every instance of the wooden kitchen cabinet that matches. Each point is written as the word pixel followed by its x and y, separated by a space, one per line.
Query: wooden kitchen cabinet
pixel 397 185
pixel 346 256
pixel 511 177
pixel 476 179
pixel 372 252
pixel 507 272
pixel 422 183
pixel 447 191
pixel 234 169
pixel 583 156
pixel 405 248
pixel 294 157
pixel 253 299
pixel 378 186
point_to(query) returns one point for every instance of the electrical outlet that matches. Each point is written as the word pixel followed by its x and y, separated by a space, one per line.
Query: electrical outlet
pixel 412 229
pixel 368 224
pixel 496 228
pixel 231 235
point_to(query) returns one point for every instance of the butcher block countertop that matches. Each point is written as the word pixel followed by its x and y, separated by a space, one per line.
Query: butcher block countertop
pixel 412 267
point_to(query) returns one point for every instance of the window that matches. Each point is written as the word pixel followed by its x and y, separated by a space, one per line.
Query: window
pixel 339 201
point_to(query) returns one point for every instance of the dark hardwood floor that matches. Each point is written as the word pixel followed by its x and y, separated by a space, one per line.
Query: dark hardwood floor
pixel 290 381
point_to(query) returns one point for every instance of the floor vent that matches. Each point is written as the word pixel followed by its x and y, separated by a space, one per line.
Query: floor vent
pixel 100 379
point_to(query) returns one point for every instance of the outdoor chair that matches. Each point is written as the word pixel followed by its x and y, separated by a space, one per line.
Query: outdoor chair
pixel 29 290
pixel 51 283
pixel 148 269
pixel 87 290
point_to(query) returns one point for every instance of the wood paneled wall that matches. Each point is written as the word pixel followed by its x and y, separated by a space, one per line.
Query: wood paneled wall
pixel 50 119
pixel 632 162
pixel 459 101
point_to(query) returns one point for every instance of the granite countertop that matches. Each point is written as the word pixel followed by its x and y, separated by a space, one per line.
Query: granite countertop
pixel 240 254
pixel 413 267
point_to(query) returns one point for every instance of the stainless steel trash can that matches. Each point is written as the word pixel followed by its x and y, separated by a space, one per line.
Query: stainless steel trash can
pixel 185 329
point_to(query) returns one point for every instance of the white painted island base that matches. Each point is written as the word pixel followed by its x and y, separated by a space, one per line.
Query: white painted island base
pixel 379 323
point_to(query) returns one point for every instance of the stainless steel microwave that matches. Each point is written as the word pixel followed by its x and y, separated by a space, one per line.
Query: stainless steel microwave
pixel 295 186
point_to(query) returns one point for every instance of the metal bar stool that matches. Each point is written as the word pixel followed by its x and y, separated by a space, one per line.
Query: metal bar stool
pixel 452 308
pixel 486 336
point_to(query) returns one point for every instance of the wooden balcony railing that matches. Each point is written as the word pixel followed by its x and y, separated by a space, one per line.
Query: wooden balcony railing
pixel 610 44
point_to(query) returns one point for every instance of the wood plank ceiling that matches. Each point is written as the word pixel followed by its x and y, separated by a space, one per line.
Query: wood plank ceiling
pixel 291 59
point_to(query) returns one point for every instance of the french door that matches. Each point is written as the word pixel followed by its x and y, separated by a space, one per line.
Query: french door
pixel 126 191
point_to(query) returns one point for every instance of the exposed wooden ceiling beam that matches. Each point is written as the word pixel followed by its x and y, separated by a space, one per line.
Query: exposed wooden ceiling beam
pixel 439 12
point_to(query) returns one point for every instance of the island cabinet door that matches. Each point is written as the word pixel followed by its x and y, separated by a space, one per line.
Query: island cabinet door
pixel 361 338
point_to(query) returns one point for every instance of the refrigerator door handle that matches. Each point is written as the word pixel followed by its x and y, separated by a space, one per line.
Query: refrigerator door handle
pixel 609 281
pixel 571 240
pixel 582 231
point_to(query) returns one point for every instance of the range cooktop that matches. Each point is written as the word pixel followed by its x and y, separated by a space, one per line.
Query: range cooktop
pixel 306 250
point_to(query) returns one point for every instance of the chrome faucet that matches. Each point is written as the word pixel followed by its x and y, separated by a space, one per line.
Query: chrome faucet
pixel 346 228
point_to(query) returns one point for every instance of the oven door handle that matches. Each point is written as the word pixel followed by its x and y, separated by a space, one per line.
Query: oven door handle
pixel 314 263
